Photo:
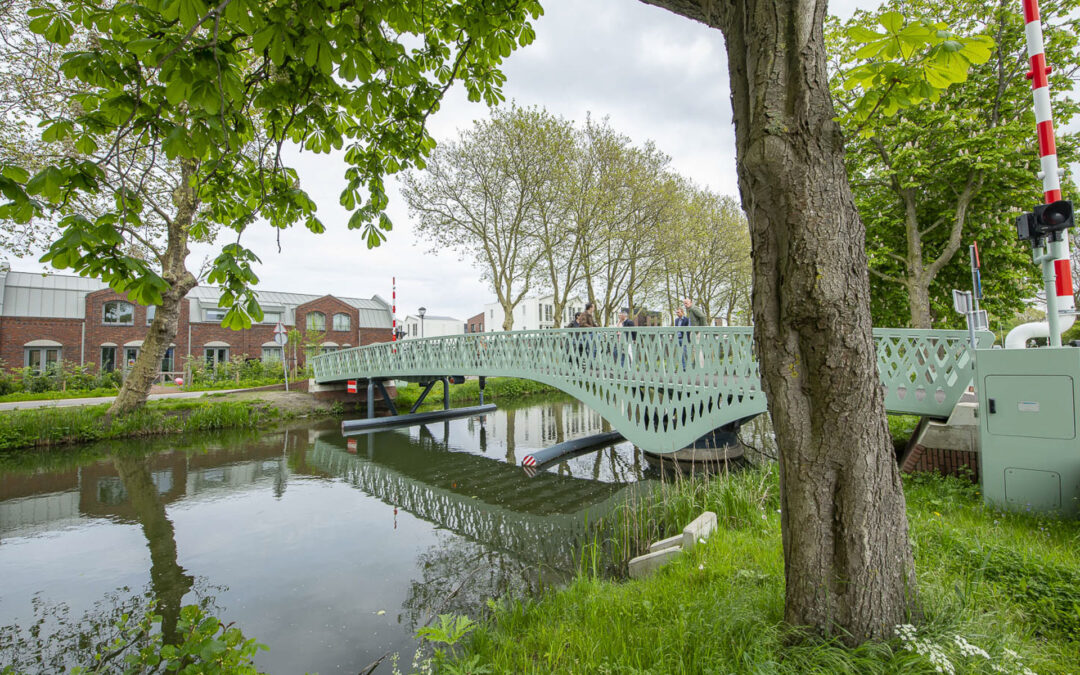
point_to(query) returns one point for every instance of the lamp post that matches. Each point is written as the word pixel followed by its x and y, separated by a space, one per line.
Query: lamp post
pixel 422 312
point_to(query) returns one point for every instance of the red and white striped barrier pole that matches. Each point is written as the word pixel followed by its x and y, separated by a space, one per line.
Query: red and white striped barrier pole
pixel 1057 272
pixel 393 309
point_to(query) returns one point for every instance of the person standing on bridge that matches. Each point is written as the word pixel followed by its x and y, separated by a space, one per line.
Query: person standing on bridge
pixel 697 318
pixel 682 320
pixel 588 318
pixel 626 322
pixel 694 313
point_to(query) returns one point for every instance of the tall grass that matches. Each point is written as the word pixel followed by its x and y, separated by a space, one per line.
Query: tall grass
pixel 1001 581
pixel 42 427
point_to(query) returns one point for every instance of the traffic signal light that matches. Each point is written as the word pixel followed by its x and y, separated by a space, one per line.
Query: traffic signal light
pixel 1046 221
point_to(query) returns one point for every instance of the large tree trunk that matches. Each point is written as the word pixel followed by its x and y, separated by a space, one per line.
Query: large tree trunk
pixel 848 563
pixel 919 301
pixel 162 330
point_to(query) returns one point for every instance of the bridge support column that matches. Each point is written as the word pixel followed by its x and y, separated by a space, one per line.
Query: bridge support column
pixel 446 393
pixel 370 398
pixel 483 382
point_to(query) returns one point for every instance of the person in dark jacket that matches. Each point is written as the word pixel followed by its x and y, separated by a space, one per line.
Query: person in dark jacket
pixel 694 313
pixel 682 320
pixel 626 322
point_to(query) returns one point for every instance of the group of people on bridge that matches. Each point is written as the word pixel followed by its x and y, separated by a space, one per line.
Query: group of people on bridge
pixel 687 315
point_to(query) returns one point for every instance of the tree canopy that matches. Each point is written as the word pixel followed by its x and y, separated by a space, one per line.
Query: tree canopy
pixel 935 171
pixel 220 89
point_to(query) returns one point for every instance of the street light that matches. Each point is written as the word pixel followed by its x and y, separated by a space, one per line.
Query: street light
pixel 423 311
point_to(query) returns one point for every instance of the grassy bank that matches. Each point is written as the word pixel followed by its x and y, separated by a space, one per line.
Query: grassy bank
pixel 498 388
pixel 21 396
pixel 1006 583
pixel 44 427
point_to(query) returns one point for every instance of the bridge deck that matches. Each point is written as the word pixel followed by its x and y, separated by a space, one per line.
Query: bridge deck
pixel 662 388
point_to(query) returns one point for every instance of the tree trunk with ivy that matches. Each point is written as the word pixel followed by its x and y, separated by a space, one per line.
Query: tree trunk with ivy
pixel 162 330
pixel 848 564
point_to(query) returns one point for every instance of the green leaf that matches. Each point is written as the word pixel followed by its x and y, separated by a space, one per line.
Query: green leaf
pixel 892 22
pixel 15 173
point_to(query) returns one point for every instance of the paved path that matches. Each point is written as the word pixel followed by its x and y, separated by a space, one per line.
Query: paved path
pixel 67 402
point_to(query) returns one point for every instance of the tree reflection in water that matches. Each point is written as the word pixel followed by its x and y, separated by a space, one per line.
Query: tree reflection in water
pixel 55 642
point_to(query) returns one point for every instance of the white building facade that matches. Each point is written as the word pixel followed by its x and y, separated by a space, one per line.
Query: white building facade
pixel 532 314
pixel 431 326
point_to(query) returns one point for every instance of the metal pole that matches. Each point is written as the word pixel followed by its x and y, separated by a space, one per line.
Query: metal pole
pixel 370 398
pixel 446 393
pixel 285 367
pixel 1057 273
pixel 976 276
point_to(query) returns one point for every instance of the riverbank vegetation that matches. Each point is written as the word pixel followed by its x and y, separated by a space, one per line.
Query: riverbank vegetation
pixel 998 590
pixel 496 389
pixel 46 427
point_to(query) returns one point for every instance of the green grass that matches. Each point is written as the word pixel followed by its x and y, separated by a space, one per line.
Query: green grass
pixel 999 580
pixel 901 427
pixel 42 427
pixel 20 396
pixel 496 389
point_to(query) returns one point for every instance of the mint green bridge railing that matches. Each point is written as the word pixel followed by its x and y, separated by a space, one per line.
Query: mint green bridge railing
pixel 662 388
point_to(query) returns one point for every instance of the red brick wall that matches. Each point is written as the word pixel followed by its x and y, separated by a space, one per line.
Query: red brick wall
pixel 17 331
pixel 946 462
pixel 98 333
pixel 329 306
pixel 473 321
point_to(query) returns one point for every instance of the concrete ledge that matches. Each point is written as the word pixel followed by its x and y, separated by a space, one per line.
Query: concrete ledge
pixel 666 543
pixel 699 528
pixel 644 565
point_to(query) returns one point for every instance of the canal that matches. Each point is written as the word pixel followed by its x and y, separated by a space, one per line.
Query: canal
pixel 331 551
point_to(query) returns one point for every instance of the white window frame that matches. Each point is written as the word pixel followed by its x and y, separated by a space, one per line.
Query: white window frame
pixel 105 310
pixel 308 322
pixel 216 314
pixel 347 322
pixel 43 354
pixel 150 312
pixel 216 360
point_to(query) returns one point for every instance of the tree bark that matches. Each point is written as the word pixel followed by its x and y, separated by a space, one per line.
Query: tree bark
pixel 162 330
pixel 848 564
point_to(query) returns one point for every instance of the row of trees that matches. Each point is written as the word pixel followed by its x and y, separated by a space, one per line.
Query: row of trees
pixel 539 203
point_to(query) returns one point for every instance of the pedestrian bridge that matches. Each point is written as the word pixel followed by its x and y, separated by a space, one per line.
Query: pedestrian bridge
pixel 662 388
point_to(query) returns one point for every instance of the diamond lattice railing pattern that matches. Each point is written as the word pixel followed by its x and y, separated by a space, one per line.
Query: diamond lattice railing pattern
pixel 662 388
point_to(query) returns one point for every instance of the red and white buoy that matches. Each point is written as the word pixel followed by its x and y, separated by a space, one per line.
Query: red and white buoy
pixel 1057 273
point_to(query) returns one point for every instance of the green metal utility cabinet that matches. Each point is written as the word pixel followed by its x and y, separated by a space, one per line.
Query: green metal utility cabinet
pixel 1029 450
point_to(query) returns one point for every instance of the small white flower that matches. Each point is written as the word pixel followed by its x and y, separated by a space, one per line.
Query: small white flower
pixel 701 567
pixel 1011 654
pixel 701 540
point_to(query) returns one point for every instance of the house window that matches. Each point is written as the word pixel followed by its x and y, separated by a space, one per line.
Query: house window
pixel 491 314
pixel 342 322
pixel 215 314
pixel 130 355
pixel 414 330
pixel 118 313
pixel 168 360
pixel 40 359
pixel 316 321
pixel 271 317
pixel 108 359
pixel 271 354
pixel 150 312
pixel 216 356
pixel 547 312
pixel 327 350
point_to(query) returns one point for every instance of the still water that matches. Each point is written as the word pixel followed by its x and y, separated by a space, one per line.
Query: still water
pixel 332 551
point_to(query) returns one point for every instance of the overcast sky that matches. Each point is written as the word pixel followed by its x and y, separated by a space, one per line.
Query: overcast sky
pixel 654 74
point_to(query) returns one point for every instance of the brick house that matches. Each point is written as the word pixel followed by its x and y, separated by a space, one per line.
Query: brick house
pixel 48 318
pixel 475 324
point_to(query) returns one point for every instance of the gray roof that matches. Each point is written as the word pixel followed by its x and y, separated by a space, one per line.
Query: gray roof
pixel 47 295
pixel 64 296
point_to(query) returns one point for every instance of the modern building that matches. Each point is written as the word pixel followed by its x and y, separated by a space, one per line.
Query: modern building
pixel 532 313
pixel 475 324
pixel 431 326
pixel 46 318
